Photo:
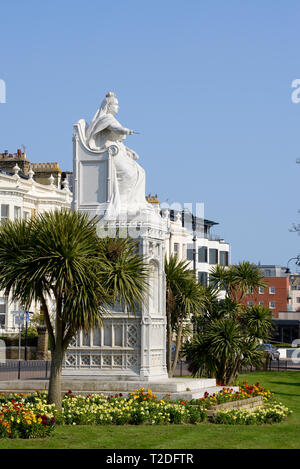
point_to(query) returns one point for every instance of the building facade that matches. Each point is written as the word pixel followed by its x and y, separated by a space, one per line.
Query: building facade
pixel 282 296
pixel 191 239
pixel 21 196
pixel 275 295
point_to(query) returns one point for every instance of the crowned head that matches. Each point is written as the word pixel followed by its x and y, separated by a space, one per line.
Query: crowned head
pixel 110 104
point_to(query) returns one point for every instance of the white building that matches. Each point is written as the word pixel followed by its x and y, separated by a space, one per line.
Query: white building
pixel 191 239
pixel 22 197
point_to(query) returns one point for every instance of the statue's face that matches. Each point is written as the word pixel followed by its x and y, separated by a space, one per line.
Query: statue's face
pixel 114 107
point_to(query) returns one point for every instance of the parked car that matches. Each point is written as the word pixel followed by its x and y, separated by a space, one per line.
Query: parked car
pixel 268 348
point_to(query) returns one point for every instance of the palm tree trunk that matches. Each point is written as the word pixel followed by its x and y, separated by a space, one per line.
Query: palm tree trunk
pixel 234 372
pixel 169 339
pixel 54 390
pixel 57 355
pixel 177 350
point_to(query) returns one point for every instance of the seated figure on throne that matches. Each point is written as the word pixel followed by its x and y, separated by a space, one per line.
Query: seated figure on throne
pixel 128 177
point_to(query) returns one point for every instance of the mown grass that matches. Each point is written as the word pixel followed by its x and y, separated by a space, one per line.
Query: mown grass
pixel 285 435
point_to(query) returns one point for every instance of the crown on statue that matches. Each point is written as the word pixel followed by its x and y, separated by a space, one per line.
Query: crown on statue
pixel 110 94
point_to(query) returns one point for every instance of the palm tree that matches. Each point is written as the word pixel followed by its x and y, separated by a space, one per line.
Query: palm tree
pixel 228 333
pixel 184 297
pixel 214 352
pixel 221 348
pixel 124 273
pixel 58 255
pixel 237 280
pixel 258 320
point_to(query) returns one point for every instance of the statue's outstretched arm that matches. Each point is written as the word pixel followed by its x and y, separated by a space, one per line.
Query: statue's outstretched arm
pixel 117 127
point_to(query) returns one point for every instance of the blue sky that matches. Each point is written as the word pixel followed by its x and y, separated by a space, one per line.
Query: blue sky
pixel 206 83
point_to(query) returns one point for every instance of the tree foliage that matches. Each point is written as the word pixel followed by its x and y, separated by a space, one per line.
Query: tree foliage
pixel 184 297
pixel 228 333
pixel 58 255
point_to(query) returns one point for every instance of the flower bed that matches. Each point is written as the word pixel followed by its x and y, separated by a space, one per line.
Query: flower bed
pixel 29 416
pixel 246 391
pixel 140 407
pixel 270 413
pixel 16 420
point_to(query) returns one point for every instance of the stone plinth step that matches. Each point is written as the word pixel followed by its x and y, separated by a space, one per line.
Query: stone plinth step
pixel 174 388
pixel 166 385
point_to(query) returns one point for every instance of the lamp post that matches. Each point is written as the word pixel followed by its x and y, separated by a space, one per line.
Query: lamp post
pixel 26 322
pixel 287 270
pixel 291 278
pixel 26 325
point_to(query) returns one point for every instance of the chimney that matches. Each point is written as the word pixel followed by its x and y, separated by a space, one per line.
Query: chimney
pixel 19 153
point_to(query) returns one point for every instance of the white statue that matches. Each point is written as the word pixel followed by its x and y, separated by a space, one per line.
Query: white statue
pixel 128 177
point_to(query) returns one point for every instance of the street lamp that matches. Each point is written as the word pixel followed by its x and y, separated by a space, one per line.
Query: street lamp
pixel 26 325
pixel 287 270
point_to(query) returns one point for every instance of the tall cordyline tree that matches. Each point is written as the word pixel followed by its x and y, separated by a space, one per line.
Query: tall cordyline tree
pixel 237 280
pixel 184 297
pixel 228 333
pixel 59 255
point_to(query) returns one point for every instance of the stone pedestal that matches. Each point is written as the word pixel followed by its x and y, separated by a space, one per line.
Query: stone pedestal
pixel 129 346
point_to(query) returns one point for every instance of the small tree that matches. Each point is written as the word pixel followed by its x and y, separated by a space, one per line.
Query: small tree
pixel 237 280
pixel 228 333
pixel 58 255
pixel 184 297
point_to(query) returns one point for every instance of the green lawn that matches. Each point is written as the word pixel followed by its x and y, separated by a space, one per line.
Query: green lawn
pixel 286 386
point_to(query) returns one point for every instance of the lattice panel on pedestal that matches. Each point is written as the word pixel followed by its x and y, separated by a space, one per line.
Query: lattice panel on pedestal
pixel 132 362
pixel 106 360
pixel 96 360
pixel 132 336
pixel 85 360
pixel 70 360
pixel 117 360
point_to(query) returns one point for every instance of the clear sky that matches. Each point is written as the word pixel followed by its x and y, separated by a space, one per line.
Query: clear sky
pixel 206 83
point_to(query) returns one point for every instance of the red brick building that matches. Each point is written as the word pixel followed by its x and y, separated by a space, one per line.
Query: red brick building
pixel 275 295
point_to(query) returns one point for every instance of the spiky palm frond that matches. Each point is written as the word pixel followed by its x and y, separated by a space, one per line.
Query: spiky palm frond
pixel 258 321
pixel 124 272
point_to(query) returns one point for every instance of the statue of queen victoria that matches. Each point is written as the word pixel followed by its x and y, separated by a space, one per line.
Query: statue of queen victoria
pixel 105 133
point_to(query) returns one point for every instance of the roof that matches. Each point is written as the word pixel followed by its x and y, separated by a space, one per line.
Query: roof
pixel 9 173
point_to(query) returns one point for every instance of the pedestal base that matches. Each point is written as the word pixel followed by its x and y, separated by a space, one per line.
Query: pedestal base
pixel 183 388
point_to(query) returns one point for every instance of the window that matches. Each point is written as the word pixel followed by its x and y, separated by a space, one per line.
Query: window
pixel 298 299
pixel 97 337
pixel 176 249
pixel 86 339
pixel 223 258
pixel 267 273
pixel 272 304
pixel 4 213
pixel 202 278
pixel 261 303
pixel 250 303
pixel 2 312
pixel 213 256
pixel 261 290
pixel 17 213
pixel 202 254
pixel 272 290
pixel 190 252
pixel 26 215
